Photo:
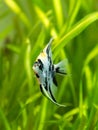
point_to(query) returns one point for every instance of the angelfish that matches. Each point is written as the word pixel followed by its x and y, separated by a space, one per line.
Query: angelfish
pixel 45 72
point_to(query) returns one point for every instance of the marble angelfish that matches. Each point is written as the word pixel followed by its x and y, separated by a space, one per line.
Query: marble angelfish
pixel 45 71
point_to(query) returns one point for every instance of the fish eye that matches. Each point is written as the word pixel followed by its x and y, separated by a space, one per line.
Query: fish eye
pixel 38 64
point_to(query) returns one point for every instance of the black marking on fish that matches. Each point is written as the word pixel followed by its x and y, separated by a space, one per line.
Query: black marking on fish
pixel 41 89
pixel 54 81
pixel 46 84
pixel 40 64
pixel 50 68
pixel 50 60
pixel 47 50
pixel 48 56
pixel 37 75
pixel 52 94
pixel 53 71
pixel 59 71
pixel 53 76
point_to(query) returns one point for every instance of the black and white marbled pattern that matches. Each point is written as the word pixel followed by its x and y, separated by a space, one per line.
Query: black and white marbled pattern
pixel 45 71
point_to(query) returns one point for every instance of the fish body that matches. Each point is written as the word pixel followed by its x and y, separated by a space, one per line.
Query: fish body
pixel 45 72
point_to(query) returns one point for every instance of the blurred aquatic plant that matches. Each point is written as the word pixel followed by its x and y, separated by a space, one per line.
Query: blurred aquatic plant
pixel 25 28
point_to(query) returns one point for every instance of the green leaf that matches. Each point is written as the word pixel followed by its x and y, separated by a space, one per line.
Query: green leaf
pixel 4 120
pixel 57 4
pixel 45 20
pixel 91 55
pixel 17 10
pixel 76 30
pixel 27 63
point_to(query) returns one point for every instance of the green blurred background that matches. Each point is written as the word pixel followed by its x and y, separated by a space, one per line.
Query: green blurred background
pixel 25 28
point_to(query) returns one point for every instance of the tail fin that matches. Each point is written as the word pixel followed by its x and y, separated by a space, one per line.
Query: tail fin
pixel 61 67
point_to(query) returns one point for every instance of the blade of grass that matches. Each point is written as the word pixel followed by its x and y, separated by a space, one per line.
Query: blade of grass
pixel 76 30
pixel 24 114
pixel 13 48
pixel 40 120
pixel 45 20
pixel 71 113
pixel 89 81
pixel 71 6
pixel 96 90
pixel 93 118
pixel 37 46
pixel 73 13
pixel 4 120
pixel 94 114
pixel 93 53
pixel 81 100
pixel 58 12
pixel 17 10
pixel 1 67
pixel 28 64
